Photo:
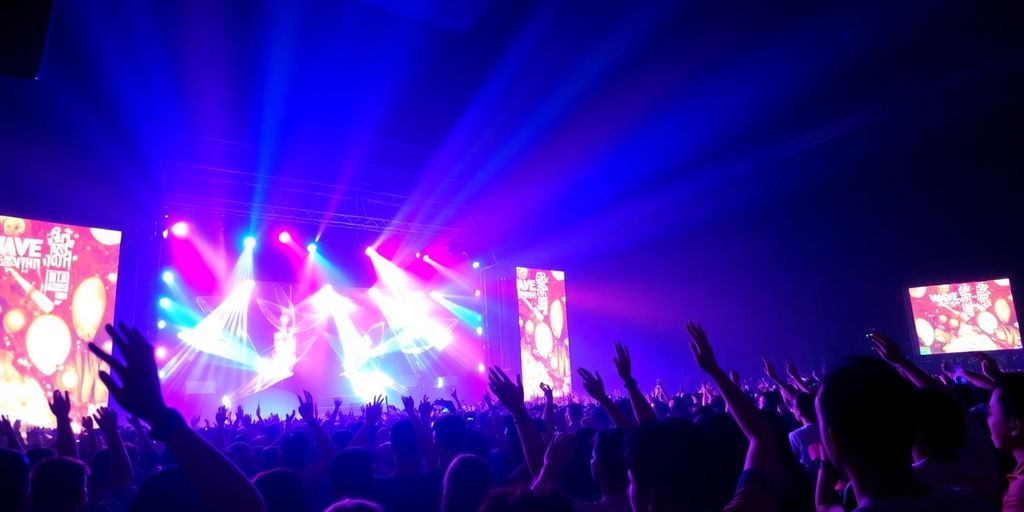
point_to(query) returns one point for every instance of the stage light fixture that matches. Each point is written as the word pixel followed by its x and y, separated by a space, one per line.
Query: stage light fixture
pixel 311 248
pixel 479 331
pixel 164 303
pixel 426 258
pixel 440 382
pixel 284 237
pixel 168 277
pixel 225 401
pixel 161 324
pixel 370 251
pixel 160 353
pixel 476 293
pixel 165 233
pixel 419 255
pixel 476 264
pixel 249 242
pixel 481 368
pixel 180 229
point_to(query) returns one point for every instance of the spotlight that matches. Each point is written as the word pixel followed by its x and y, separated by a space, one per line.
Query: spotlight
pixel 225 401
pixel 180 229
pixel 284 237
pixel 311 247
pixel 426 257
pixel 370 250
pixel 168 277
pixel 440 382
pixel 419 255
pixel 164 302
pixel 160 324
pixel 165 232
pixel 481 368
pixel 160 353
pixel 476 293
pixel 476 264
pixel 479 331
pixel 249 242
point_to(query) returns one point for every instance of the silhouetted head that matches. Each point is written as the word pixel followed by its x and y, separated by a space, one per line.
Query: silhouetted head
pixel 466 483
pixel 58 485
pixel 282 490
pixel 866 414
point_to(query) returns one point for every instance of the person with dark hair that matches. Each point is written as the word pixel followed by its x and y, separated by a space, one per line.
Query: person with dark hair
pixel 352 505
pixel 806 440
pixel 522 499
pixel 58 485
pixel 573 417
pixel 282 490
pixel 466 483
pixel 449 438
pixel 608 468
pixel 168 490
pixel 868 426
pixel 1006 425
pixel 14 482
pixel 950 450
pixel 351 473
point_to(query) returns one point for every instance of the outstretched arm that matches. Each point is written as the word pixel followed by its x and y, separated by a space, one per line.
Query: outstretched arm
pixel 217 481
pixel 891 353
pixel 61 409
pixel 373 414
pixel 789 392
pixel 510 394
pixel 624 365
pixel 121 475
pixel 594 386
pixel 762 452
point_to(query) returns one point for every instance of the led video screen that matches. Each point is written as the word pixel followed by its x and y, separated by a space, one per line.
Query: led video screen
pixel 544 335
pixel 56 292
pixel 965 317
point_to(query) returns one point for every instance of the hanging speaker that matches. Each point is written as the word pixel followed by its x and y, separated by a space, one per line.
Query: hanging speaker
pixel 23 28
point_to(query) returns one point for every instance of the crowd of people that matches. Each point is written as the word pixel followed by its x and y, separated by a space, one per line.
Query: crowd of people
pixel 869 434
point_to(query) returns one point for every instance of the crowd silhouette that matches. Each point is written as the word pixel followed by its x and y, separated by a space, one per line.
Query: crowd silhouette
pixel 868 434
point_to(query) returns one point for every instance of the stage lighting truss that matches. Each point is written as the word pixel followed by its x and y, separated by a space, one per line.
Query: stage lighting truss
pixel 190 188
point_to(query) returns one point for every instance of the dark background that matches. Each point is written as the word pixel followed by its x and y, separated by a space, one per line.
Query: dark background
pixel 780 172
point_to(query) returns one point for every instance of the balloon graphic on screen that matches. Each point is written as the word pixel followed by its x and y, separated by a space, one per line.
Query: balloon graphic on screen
pixel 87 307
pixel 543 339
pixel 48 342
pixel 557 318
pixel 14 320
pixel 106 236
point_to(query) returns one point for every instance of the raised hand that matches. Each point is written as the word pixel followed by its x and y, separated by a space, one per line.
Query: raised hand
pixel 259 416
pixel 559 450
pixel 306 407
pixel 10 432
pixel 87 424
pixel 947 369
pixel 454 393
pixel 289 418
pixel 194 423
pixel 61 405
pixel 239 413
pixel 887 348
pixel 106 420
pixel 509 393
pixel 139 388
pixel 409 404
pixel 988 365
pixel 593 384
pixel 769 369
pixel 734 376
pixel 623 363
pixel 549 394
pixel 426 408
pixel 791 369
pixel 337 403
pixel 701 349
pixel 488 400
pixel 374 410
pixel 221 416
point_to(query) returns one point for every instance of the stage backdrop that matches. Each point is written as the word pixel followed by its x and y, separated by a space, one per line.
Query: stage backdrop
pixel 544 336
pixel 965 317
pixel 56 292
